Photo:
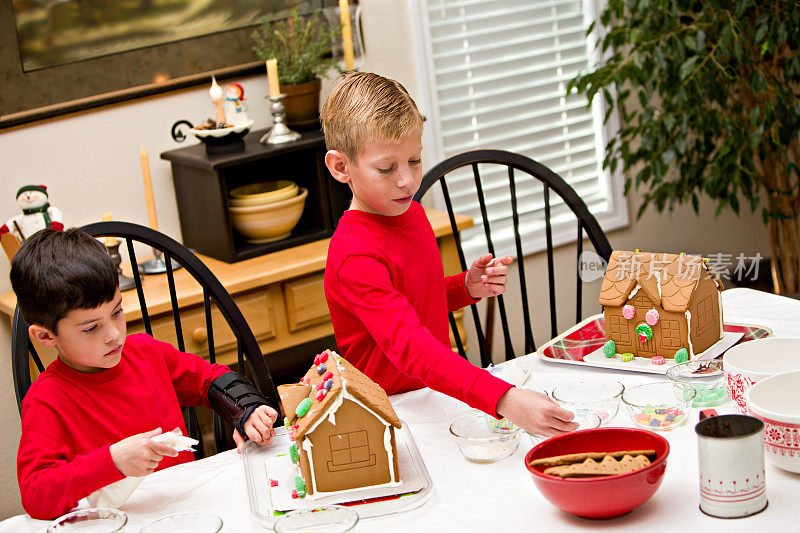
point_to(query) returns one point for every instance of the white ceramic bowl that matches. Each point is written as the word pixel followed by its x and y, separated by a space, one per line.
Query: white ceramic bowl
pixel 750 362
pixel 776 401
pixel 270 222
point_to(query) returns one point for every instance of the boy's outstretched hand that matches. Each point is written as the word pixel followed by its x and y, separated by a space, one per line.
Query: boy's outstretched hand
pixel 534 412
pixel 138 455
pixel 487 276
pixel 258 427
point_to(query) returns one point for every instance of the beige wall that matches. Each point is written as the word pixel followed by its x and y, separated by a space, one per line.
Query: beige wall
pixel 90 163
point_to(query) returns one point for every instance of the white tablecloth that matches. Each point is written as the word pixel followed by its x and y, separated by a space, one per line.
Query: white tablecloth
pixel 498 496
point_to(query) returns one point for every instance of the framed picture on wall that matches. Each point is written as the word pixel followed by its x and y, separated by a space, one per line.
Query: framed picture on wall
pixel 62 56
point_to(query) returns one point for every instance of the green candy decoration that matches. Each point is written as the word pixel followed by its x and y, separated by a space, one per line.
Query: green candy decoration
pixel 609 349
pixel 303 407
pixel 644 329
pixel 293 455
pixel 627 357
pixel 300 485
pixel 681 356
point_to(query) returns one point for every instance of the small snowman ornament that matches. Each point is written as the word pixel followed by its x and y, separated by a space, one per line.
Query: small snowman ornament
pixel 37 213
pixel 235 106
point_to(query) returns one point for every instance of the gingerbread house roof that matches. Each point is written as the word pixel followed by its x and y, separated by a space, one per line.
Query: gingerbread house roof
pixel 667 279
pixel 347 380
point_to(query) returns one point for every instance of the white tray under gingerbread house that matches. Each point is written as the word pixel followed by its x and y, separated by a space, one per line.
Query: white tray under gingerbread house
pixel 582 345
pixel 265 503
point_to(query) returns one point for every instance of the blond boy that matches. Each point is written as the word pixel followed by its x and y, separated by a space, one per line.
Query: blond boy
pixel 384 282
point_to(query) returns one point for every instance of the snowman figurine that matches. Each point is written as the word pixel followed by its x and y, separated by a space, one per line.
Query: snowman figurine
pixel 37 213
pixel 234 105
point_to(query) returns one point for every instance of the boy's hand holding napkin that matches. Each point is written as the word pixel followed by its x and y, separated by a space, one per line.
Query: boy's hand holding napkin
pixel 136 457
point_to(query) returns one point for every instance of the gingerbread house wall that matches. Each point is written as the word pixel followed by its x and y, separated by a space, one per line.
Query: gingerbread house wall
pixel 350 453
pixel 669 333
pixel 705 312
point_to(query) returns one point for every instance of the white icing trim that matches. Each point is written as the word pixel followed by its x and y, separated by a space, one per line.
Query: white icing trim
pixel 688 316
pixel 634 291
pixel 387 444
pixel 719 301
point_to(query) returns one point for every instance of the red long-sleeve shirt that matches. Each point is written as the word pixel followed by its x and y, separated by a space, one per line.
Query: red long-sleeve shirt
pixel 388 298
pixel 70 418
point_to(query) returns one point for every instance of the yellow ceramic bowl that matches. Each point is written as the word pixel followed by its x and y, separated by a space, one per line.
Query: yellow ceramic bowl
pixel 270 222
pixel 262 193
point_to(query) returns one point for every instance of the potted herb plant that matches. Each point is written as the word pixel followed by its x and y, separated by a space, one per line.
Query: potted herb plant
pixel 718 91
pixel 302 46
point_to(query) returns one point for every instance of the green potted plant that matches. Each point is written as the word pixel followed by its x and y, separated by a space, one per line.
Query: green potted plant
pixel 302 46
pixel 718 90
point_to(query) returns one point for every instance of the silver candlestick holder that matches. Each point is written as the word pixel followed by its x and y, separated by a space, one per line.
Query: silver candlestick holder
pixel 280 132
pixel 156 265
pixel 125 283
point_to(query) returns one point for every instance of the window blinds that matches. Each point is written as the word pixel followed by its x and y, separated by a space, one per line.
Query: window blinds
pixel 497 72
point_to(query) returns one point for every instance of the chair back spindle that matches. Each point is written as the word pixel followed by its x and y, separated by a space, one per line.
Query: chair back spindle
pixel 515 165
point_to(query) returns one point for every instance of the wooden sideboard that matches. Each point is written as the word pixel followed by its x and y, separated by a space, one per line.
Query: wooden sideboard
pixel 280 295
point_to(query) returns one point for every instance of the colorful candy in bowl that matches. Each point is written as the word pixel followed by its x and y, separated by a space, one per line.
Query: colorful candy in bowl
pixel 705 377
pixel 598 396
pixel 749 362
pixel 659 406
pixel 480 442
pixel 776 401
pixel 602 496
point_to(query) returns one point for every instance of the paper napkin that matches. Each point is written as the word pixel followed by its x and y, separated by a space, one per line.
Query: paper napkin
pixel 114 495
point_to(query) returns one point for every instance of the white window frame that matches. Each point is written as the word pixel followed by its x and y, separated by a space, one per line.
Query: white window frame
pixel 534 240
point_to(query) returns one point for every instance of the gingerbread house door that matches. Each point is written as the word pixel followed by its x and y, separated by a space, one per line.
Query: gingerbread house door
pixel 643 348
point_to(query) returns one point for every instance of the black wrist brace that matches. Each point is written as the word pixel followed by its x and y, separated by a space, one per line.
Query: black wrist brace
pixel 233 398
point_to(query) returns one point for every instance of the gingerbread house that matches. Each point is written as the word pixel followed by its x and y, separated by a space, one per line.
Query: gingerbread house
pixel 343 428
pixel 659 304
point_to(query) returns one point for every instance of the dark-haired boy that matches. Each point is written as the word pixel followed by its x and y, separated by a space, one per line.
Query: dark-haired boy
pixel 87 421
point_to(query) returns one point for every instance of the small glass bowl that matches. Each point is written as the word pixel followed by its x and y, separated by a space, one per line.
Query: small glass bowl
pixel 705 377
pixel 659 406
pixel 94 519
pixel 481 443
pixel 585 420
pixel 328 519
pixel 598 396
pixel 185 523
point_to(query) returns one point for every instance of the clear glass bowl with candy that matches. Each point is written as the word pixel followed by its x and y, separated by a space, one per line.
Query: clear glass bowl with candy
pixel 481 442
pixel 706 377
pixel 599 396
pixel 659 406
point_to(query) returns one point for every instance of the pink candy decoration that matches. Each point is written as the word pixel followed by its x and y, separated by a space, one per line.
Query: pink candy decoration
pixel 643 337
pixel 321 394
pixel 328 375
pixel 323 357
pixel 657 360
pixel 629 311
pixel 652 317
pixel 273 482
pixel 304 380
pixel 294 494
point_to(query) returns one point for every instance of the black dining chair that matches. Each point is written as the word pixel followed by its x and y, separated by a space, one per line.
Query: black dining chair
pixel 518 167
pixel 250 361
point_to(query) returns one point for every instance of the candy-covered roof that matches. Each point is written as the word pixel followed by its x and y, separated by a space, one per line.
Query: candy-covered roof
pixel 331 367
pixel 666 278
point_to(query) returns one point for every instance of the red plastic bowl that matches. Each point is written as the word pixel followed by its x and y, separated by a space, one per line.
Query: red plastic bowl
pixel 603 497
